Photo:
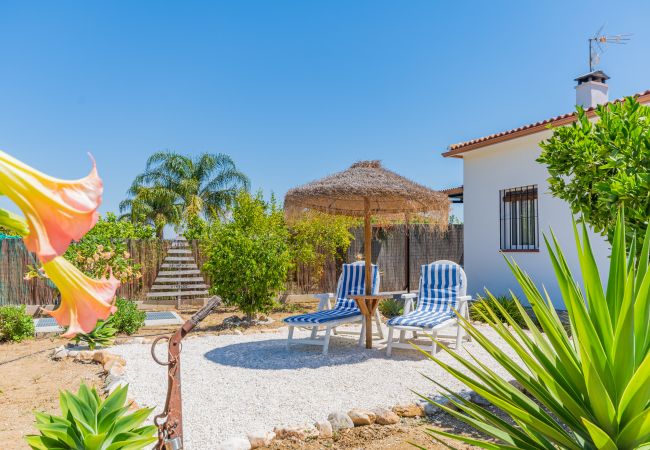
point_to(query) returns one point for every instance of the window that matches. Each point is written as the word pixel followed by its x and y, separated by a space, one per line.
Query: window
pixel 518 219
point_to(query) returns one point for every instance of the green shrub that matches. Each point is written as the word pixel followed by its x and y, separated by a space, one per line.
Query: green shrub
pixel 103 335
pixel 589 391
pixel 248 257
pixel 128 318
pixel 480 307
pixel 89 422
pixel 15 324
pixel 391 308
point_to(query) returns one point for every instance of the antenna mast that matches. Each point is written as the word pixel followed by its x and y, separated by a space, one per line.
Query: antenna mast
pixel 598 45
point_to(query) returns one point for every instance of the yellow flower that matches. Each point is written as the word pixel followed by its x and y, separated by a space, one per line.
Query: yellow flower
pixel 83 299
pixel 57 211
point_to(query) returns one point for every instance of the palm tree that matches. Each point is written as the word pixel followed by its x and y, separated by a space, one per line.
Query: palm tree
pixel 204 185
pixel 151 205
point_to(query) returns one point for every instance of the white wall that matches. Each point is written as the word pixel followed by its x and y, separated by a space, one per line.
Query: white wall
pixel 506 165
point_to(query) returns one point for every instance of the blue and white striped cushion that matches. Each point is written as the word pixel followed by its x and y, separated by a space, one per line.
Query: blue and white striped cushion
pixel 440 286
pixel 351 282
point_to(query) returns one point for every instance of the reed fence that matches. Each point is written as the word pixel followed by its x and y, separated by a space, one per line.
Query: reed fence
pixel 426 244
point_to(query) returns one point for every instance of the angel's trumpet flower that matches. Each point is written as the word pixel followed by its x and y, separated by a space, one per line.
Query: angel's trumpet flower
pixel 57 211
pixel 83 299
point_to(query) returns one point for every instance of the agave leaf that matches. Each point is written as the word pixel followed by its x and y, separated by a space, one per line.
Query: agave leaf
pixel 600 438
pixel 635 397
pixel 617 270
pixel 114 401
pixel 44 443
pixel 94 441
pixel 636 432
pixel 642 306
pixel 594 287
pixel 59 432
pixel 470 441
pixel 132 420
pixel 132 441
pixel 623 355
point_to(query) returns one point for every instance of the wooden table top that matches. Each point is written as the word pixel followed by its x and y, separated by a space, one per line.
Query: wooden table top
pixel 371 296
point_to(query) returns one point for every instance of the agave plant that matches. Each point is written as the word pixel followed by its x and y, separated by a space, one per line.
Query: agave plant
pixel 90 423
pixel 588 391
pixel 103 334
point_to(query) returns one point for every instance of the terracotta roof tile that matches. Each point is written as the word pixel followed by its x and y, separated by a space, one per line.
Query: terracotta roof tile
pixel 456 150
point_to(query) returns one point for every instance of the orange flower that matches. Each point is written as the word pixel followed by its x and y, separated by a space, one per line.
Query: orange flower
pixel 57 211
pixel 83 299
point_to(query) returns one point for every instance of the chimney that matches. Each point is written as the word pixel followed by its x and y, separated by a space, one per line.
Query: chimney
pixel 592 89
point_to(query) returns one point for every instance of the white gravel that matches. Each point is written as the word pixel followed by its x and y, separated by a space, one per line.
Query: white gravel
pixel 234 384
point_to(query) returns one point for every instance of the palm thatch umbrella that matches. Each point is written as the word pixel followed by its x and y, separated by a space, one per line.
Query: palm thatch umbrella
pixel 369 190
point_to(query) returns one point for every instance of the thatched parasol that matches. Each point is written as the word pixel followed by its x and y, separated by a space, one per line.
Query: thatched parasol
pixel 368 190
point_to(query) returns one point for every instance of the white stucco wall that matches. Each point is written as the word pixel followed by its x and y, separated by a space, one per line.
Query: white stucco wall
pixel 506 165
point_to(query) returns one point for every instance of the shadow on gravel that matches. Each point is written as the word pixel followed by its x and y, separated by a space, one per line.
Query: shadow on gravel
pixel 272 354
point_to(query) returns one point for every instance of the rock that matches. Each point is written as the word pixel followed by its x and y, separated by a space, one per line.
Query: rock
pixel 137 340
pixel 385 416
pixel 324 428
pixel 236 443
pixel 85 356
pixel 479 400
pixel 409 410
pixel 429 408
pixel 261 438
pixel 59 353
pixel 238 332
pixel 360 417
pixel 102 356
pixel 114 360
pixel 73 353
pixel 117 370
pixel 340 421
pixel 296 433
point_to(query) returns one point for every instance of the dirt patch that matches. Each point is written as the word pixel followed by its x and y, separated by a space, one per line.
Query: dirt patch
pixel 30 381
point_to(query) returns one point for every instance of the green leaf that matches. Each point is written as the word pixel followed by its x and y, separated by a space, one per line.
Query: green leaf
pixel 601 440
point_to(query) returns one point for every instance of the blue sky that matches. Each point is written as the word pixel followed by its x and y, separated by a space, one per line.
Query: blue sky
pixel 293 90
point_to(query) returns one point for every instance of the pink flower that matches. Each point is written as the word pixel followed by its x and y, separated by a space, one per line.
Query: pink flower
pixel 57 211
pixel 83 299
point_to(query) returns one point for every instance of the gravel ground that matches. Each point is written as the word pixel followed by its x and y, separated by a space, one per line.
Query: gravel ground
pixel 233 384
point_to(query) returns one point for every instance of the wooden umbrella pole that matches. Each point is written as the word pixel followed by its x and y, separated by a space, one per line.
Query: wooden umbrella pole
pixel 368 245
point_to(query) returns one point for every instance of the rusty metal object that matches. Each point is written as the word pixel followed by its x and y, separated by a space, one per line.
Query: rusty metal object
pixel 170 421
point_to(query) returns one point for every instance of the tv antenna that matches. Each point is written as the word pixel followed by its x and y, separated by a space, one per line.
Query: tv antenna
pixel 598 44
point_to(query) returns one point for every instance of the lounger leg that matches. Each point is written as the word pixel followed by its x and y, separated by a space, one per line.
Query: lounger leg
pixel 290 336
pixel 402 335
pixel 380 332
pixel 389 348
pixel 334 332
pixel 434 345
pixel 459 337
pixel 415 335
pixel 314 332
pixel 326 344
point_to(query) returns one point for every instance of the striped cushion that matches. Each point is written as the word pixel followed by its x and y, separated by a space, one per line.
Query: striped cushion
pixel 351 282
pixel 440 287
pixel 422 319
pixel 319 317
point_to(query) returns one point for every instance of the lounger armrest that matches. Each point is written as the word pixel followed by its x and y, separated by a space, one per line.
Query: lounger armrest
pixel 463 305
pixel 464 298
pixel 408 301
pixel 324 301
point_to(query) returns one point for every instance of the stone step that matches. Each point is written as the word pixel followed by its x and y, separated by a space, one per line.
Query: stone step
pixel 178 279
pixel 182 251
pixel 175 294
pixel 183 287
pixel 179 272
pixel 179 266
pixel 179 258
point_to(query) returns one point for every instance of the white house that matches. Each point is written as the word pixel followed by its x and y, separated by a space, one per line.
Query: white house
pixel 507 205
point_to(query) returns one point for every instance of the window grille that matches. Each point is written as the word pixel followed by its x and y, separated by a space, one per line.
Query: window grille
pixel 519 224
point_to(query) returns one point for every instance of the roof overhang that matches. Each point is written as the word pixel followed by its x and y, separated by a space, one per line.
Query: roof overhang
pixel 457 150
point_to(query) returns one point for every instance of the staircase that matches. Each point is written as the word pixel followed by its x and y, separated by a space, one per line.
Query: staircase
pixel 179 278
